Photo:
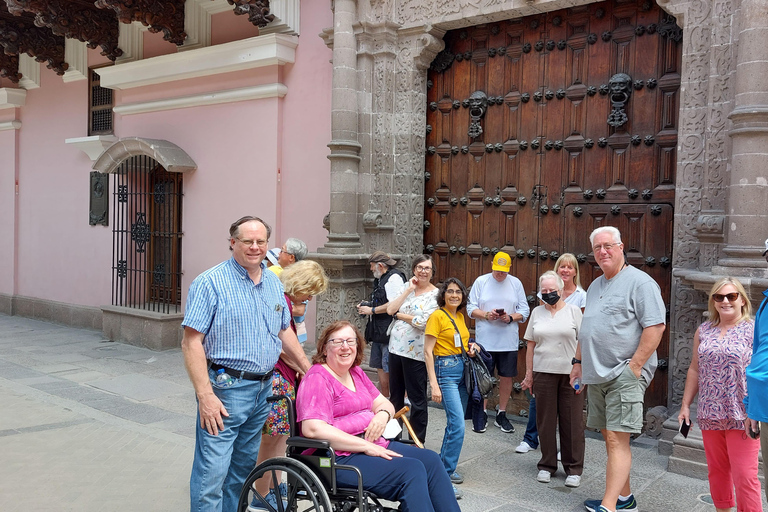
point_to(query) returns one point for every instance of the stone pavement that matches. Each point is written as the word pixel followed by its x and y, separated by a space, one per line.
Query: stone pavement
pixel 91 425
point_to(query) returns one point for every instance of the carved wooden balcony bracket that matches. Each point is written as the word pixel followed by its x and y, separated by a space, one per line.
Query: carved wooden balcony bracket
pixel 84 22
pixel 159 15
pixel 18 34
pixel 257 11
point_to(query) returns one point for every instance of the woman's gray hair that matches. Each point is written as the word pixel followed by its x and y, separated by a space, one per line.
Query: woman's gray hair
pixel 297 248
pixel 615 234
pixel 551 274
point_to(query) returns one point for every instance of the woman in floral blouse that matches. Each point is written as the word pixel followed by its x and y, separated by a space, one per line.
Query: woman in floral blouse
pixel 722 349
pixel 407 371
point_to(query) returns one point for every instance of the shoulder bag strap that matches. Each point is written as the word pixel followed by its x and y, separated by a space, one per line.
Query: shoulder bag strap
pixel 457 330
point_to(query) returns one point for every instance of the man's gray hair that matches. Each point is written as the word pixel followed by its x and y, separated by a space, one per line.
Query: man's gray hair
pixel 297 248
pixel 615 234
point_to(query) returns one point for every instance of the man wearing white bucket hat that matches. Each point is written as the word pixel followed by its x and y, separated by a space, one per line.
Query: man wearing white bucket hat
pixel 498 305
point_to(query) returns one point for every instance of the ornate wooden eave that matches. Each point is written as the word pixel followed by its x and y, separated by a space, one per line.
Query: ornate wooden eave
pixel 76 19
pixel 18 34
pixel 159 15
pixel 9 67
pixel 257 11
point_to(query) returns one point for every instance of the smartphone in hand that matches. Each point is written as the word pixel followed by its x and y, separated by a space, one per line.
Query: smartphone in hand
pixel 754 434
pixel 499 311
pixel 685 427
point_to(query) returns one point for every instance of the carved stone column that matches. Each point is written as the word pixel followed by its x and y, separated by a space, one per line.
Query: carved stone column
pixel 748 189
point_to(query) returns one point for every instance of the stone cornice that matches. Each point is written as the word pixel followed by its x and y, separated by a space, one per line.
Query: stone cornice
pixel 10 125
pixel 12 98
pixel 255 52
pixel 274 90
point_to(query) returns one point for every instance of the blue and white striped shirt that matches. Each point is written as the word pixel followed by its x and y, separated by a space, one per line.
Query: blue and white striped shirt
pixel 240 320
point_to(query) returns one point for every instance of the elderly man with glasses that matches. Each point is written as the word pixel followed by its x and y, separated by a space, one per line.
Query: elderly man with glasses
pixel 236 323
pixel 623 323
pixel 293 250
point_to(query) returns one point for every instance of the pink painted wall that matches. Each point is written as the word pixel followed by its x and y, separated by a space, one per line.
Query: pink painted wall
pixel 8 156
pixel 227 27
pixel 60 254
pixel 238 148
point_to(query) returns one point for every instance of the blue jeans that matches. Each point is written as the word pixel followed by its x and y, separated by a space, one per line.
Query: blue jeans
pixel 416 479
pixel 531 433
pixel 449 371
pixel 223 462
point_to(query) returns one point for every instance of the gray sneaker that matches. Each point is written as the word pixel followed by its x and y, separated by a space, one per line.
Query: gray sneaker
pixel 457 492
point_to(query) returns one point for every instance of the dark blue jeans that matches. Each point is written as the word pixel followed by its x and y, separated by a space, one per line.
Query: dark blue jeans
pixel 531 433
pixel 417 479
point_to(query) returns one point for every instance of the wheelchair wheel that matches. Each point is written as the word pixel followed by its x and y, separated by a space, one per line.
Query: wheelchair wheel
pixel 305 491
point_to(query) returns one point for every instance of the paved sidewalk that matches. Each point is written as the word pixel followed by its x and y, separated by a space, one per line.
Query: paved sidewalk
pixel 89 425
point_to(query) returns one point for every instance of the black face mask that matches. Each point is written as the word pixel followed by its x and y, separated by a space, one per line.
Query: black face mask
pixel 550 298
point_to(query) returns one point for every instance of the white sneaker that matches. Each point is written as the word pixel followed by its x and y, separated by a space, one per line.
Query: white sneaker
pixel 543 476
pixel 573 481
pixel 523 447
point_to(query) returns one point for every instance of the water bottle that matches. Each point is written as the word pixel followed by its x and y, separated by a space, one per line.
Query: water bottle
pixel 224 379
pixel 577 383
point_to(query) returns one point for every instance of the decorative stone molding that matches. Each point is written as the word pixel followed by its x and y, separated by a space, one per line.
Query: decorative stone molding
pixel 12 98
pixel 167 154
pixel 131 41
pixel 30 72
pixel 654 421
pixel 197 22
pixel 92 146
pixel 275 90
pixel 709 226
pixel 76 55
pixel 251 53
pixel 10 125
pixel 287 15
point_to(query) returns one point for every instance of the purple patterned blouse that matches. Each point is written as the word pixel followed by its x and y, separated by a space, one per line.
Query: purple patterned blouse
pixel 722 375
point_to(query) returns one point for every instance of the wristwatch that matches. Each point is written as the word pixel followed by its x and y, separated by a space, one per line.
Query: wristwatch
pixel 575 361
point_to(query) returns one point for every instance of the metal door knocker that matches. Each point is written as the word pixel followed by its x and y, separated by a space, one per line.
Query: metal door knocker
pixel 478 104
pixel 621 88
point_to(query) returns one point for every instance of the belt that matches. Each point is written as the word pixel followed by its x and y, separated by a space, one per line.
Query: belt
pixel 240 374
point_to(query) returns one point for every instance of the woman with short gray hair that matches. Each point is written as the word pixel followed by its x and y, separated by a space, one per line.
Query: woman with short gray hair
pixel 552 335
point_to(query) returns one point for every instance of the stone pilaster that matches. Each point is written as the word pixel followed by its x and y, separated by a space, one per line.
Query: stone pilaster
pixel 747 219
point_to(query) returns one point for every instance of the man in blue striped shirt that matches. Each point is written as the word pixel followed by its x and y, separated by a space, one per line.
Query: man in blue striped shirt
pixel 236 324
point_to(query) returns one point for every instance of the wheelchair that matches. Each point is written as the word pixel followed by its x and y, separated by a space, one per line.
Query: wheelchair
pixel 310 478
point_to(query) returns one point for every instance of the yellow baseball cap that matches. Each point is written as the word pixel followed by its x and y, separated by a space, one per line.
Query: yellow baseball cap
pixel 502 261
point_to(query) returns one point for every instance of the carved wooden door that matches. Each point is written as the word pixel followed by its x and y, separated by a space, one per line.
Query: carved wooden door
pixel 541 129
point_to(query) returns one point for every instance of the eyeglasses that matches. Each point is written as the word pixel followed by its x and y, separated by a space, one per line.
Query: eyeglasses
pixel 719 297
pixel 251 243
pixel 337 342
pixel 607 247
pixel 453 292
pixel 423 269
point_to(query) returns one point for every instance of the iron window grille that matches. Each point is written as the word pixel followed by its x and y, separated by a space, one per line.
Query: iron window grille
pixel 146 236
pixel 100 101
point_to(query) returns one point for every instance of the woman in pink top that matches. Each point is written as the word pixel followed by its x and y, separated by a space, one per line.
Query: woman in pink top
pixel 337 402
pixel 722 349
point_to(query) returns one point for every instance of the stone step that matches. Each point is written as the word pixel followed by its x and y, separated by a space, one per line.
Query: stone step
pixel 686 455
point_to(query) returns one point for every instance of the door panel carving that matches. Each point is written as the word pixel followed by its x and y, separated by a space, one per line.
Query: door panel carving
pixel 547 167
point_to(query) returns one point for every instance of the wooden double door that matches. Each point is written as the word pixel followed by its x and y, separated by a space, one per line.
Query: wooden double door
pixel 541 129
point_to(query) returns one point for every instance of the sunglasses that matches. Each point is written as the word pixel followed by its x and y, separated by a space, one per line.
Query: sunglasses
pixel 719 297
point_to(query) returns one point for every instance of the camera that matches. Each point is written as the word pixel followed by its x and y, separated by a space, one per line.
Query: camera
pixel 366 303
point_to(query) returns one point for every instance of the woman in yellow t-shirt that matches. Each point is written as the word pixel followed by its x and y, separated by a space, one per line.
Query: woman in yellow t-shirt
pixel 445 367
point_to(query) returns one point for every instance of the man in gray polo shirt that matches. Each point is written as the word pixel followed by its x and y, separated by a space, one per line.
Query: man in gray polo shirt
pixel 623 323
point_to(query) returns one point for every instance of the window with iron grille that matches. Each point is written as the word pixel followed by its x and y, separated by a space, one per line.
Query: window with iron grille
pixel 100 110
pixel 146 236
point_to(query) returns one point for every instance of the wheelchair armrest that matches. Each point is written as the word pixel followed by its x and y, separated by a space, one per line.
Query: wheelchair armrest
pixel 303 442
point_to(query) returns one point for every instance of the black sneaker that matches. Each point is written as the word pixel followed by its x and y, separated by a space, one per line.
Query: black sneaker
pixel 481 428
pixel 503 423
pixel 628 504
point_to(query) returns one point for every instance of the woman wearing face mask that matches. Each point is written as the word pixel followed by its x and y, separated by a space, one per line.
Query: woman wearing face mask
pixel 551 334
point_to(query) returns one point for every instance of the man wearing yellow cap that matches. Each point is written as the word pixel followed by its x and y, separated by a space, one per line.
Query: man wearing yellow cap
pixel 498 305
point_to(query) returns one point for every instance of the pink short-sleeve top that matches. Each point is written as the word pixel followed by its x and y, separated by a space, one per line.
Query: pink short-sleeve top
pixel 322 397
pixel 722 375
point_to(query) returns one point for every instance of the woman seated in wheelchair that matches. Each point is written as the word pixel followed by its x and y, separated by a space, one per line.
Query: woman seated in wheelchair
pixel 336 401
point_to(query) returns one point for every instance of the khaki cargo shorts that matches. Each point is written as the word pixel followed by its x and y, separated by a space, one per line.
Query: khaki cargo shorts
pixel 617 405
